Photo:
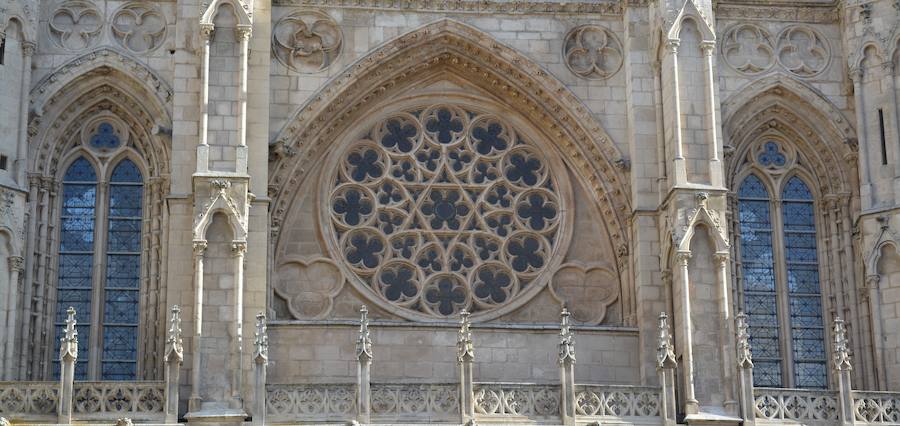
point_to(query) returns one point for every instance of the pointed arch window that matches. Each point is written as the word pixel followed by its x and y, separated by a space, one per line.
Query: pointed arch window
pixel 100 267
pixel 780 271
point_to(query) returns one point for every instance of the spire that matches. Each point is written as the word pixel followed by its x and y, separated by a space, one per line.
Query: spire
pixel 363 341
pixel 665 355
pixel 174 348
pixel 566 338
pixel 841 347
pixel 69 340
pixel 465 350
pixel 745 357
pixel 261 344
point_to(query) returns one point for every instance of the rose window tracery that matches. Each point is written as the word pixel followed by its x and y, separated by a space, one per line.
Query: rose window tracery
pixel 439 209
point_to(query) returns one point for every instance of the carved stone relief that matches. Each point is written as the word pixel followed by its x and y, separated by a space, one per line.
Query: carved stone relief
pixel 306 41
pixel 800 50
pixel 437 209
pixel 138 27
pixel 748 49
pixel 308 286
pixel 592 52
pixel 75 25
pixel 587 290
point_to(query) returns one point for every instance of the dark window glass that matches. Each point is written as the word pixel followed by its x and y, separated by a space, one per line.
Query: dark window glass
pixel 804 299
pixel 76 259
pixel 123 272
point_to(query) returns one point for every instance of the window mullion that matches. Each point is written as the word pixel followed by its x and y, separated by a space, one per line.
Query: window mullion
pixel 99 280
pixel 784 313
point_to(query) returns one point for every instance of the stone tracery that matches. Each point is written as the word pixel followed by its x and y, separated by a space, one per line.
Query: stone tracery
pixel 441 209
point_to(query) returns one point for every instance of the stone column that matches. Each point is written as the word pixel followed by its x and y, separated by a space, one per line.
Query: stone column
pixel 173 359
pixel 842 368
pixel 888 77
pixel 873 298
pixel 199 249
pixel 243 33
pixel 725 336
pixel 745 366
pixel 364 363
pixel 16 266
pixel 566 370
pixel 239 249
pixel 665 368
pixel 856 75
pixel 465 356
pixel 68 354
pixel 687 352
pixel 22 150
pixel 670 63
pixel 206 33
pixel 261 361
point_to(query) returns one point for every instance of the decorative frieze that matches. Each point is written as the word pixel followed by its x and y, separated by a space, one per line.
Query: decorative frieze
pixel 611 8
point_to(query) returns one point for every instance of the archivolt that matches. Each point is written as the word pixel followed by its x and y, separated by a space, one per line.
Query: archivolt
pixel 819 131
pixel 456 49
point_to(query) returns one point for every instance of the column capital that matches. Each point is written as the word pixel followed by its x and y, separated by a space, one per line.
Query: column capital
pixel 872 280
pixel 683 257
pixel 708 47
pixel 199 247
pixel 206 31
pixel 721 258
pixel 672 45
pixel 28 49
pixel 16 263
pixel 239 248
pixel 856 75
pixel 243 32
pixel 889 67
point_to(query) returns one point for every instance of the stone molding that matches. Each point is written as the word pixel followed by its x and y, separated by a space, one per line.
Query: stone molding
pixel 613 8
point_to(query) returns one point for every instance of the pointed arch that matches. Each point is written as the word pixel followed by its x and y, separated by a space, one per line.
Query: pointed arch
pixel 238 8
pixel 783 107
pixel 690 12
pixel 451 48
pixel 22 17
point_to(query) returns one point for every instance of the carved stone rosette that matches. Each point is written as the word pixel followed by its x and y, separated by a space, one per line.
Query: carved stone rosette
pixel 306 41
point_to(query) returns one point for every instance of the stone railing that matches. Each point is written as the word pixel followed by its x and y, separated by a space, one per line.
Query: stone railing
pixel 287 403
pixel 876 407
pixel 617 401
pixel 29 401
pixel 138 401
pixel 796 405
pixel 395 403
pixel 517 400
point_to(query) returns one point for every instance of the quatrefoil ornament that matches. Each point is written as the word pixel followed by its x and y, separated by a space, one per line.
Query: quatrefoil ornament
pixel 138 27
pixel 593 52
pixel 75 25
pixel 307 41
pixel 441 208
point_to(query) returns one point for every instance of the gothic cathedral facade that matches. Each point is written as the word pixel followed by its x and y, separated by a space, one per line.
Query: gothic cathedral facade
pixel 697 200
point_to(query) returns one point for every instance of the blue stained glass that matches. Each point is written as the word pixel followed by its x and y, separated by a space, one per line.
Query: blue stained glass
pixel 758 267
pixel 771 155
pixel 105 137
pixel 80 170
pixel 75 267
pixel 123 273
pixel 805 302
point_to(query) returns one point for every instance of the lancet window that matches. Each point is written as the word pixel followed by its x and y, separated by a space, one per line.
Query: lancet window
pixel 100 254
pixel 780 272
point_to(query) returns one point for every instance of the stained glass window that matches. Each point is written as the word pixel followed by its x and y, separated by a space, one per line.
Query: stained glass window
pixel 123 267
pixel 758 267
pixel 76 256
pixel 769 302
pixel 804 299
pixel 117 283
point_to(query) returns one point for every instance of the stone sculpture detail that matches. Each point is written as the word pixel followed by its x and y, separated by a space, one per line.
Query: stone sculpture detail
pixel 593 52
pixel 798 49
pixel 139 27
pixel 75 25
pixel 306 41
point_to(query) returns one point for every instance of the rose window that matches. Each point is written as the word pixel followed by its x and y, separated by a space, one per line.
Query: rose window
pixel 441 209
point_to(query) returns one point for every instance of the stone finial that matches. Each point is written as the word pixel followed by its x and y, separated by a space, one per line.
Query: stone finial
pixel 363 341
pixel 841 347
pixel 124 422
pixel 69 340
pixel 174 347
pixel 261 343
pixel 665 354
pixel 465 350
pixel 744 356
pixel 566 338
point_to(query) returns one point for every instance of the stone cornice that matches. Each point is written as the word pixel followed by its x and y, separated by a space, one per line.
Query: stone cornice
pixel 818 13
pixel 609 7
